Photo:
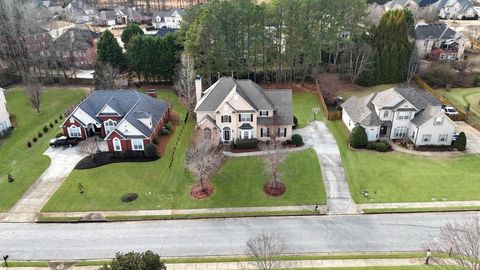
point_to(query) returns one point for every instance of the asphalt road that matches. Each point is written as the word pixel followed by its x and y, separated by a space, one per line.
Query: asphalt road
pixel 366 233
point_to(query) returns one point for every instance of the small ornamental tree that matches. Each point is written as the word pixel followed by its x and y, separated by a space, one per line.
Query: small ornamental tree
pixel 358 137
pixel 461 143
pixel 136 261
pixel 131 30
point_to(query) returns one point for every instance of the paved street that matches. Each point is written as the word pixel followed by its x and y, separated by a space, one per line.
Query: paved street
pixel 357 233
pixel 339 200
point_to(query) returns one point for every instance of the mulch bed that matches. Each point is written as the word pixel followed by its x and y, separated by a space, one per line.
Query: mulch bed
pixel 163 141
pixel 274 191
pixel 435 148
pixel 104 158
pixel 198 193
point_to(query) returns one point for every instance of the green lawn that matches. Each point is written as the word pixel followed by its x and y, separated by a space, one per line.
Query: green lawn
pixel 461 97
pixel 365 91
pixel 416 267
pixel 238 183
pixel 303 103
pixel 398 177
pixel 27 164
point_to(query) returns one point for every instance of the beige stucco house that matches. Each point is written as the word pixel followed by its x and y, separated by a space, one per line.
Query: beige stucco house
pixel 4 115
pixel 400 112
pixel 241 109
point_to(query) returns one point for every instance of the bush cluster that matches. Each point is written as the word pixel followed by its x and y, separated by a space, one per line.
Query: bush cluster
pixel 358 137
pixel 461 142
pixel 151 151
pixel 297 140
pixel 246 143
pixel 381 146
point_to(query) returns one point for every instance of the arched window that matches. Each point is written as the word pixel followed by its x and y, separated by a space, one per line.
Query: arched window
pixel 226 119
pixel 207 134
pixel 74 132
pixel 109 125
pixel 117 145
pixel 227 134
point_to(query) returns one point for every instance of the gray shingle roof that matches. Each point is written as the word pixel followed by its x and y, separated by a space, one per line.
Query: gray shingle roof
pixel 130 104
pixel 439 31
pixel 361 110
pixel 393 97
pixel 426 114
pixel 76 39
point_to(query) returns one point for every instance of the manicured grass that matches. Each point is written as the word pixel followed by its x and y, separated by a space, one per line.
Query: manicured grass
pixel 27 164
pixel 461 97
pixel 419 210
pixel 365 91
pixel 237 184
pixel 410 267
pixel 398 177
pixel 303 102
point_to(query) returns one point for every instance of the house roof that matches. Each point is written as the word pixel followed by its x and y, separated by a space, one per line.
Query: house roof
pixel 394 97
pixel 437 31
pixel 130 104
pixel 361 110
pixel 164 30
pixel 77 39
pixel 424 3
pixel 168 13
pixel 426 114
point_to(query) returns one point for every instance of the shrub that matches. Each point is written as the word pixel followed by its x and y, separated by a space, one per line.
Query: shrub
pixel 476 81
pixel 156 140
pixel 45 129
pixel 297 140
pixel 56 121
pixel 358 137
pixel 150 151
pixel 34 139
pixel 440 75
pixel 60 117
pixel 168 126
pixel 59 134
pixel 246 143
pixel 461 142
pixel 164 131
pixel 381 146
pixel 40 134
pixel 51 125
pixel 295 122
pixel 29 144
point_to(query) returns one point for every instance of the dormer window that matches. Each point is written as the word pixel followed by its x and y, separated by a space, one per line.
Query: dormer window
pixel 263 113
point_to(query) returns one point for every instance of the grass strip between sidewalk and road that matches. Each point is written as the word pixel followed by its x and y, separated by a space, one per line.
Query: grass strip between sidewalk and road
pixel 420 209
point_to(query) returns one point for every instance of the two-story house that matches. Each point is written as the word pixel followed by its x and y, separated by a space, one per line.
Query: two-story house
pixel 77 47
pixel 438 42
pixel 127 119
pixel 241 109
pixel 399 113
pixel 4 115
pixel 457 9
pixel 168 18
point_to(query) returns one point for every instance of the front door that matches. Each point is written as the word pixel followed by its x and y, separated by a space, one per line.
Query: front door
pixel 226 135
pixel 383 131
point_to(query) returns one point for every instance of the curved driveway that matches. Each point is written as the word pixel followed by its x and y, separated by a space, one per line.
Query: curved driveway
pixel 358 233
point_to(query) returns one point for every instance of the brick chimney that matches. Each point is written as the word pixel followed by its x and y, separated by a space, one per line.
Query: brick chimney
pixel 198 87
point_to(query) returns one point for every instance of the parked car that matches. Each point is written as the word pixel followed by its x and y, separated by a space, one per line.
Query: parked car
pixel 63 141
pixel 449 110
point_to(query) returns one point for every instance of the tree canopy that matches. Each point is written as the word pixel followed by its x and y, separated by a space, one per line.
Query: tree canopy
pixel 108 50
pixel 136 261
pixel 130 31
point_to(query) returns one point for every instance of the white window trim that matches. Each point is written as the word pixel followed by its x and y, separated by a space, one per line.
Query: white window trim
pixel 113 127
pixel 70 132
pixel 247 116
pixel 442 136
pixel 242 132
pixel 114 141
pixel 133 144
pixel 438 123
pixel 264 132
pixel 263 113
pixel 429 136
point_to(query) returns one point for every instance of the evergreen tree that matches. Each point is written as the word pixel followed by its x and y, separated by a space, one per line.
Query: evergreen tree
pixel 108 50
pixel 131 30
pixel 461 142
pixel 358 137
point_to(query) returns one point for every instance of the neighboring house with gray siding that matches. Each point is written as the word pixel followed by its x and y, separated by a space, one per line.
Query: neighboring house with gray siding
pixel 438 42
pixel 398 113
pixel 4 115
pixel 233 109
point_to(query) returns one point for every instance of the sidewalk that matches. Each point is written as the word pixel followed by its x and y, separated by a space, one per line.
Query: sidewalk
pixel 261 153
pixel 435 204
pixel 322 209
pixel 288 264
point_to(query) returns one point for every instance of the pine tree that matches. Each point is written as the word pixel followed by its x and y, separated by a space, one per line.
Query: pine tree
pixel 108 50
pixel 131 30
pixel 461 142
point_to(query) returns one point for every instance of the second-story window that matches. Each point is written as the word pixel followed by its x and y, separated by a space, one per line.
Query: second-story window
pixel 385 114
pixel 263 113
pixel 403 116
pixel 246 117
pixel 226 119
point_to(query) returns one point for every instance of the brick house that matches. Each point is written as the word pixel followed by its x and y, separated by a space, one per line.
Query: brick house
pixel 78 46
pixel 127 119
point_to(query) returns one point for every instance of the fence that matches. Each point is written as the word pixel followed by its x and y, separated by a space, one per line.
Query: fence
pixel 330 115
pixel 461 116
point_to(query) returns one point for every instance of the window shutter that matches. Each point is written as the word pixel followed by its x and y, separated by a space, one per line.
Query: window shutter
pixel 239 117
pixel 251 117
pixel 261 132
pixel 229 118
pixel 278 132
pixel 266 113
pixel 268 132
pixel 222 118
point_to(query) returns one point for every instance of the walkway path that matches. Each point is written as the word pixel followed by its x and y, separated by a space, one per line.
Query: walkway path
pixel 339 200
pixel 288 264
pixel 322 209
pixel 27 208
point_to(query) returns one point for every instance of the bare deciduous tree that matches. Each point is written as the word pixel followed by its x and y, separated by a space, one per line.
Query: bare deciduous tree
pixel 458 244
pixel 185 84
pixel 375 12
pixel 359 57
pixel 88 147
pixel 472 33
pixel 429 14
pixel 105 76
pixel 203 159
pixel 412 67
pixel 263 250
pixel 33 92
pixel 273 158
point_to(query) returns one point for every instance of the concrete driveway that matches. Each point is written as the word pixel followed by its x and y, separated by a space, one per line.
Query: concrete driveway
pixel 319 137
pixel 63 160
pixel 473 137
